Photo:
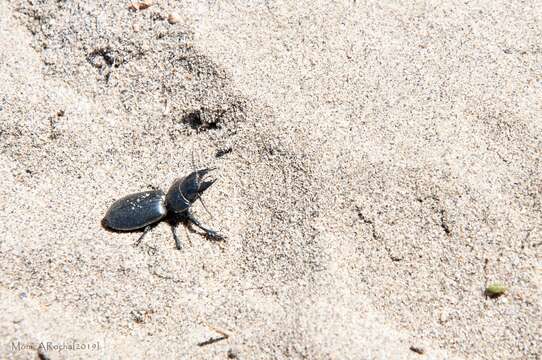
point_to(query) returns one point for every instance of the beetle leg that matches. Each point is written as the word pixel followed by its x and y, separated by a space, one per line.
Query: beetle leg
pixel 176 236
pixel 145 231
pixel 209 232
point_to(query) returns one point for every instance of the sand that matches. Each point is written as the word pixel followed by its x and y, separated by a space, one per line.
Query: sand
pixel 385 168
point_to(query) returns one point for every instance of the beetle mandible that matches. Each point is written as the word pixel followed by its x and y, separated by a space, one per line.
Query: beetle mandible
pixel 145 209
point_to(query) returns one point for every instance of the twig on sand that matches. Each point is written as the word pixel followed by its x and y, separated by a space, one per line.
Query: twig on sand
pixel 224 335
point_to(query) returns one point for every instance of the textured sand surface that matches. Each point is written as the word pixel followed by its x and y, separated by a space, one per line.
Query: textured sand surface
pixel 385 167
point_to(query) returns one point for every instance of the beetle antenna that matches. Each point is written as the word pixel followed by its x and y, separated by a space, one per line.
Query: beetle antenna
pixel 194 168
pixel 193 162
pixel 205 207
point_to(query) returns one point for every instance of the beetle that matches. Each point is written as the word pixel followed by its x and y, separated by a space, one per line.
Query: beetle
pixel 143 210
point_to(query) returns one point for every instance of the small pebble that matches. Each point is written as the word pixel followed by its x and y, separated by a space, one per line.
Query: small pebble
pixel 444 316
pixel 233 354
pixel 417 350
pixel 42 355
pixel 140 5
pixel 223 151
pixel 495 290
pixel 173 18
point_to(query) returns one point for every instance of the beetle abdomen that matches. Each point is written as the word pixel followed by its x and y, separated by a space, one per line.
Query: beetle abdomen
pixel 136 211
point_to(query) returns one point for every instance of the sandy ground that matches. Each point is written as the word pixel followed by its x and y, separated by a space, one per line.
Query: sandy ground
pixel 385 167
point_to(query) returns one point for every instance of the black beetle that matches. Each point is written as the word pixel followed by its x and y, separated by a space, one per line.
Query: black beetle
pixel 144 209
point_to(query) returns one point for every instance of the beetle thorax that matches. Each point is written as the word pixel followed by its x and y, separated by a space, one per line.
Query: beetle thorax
pixel 178 200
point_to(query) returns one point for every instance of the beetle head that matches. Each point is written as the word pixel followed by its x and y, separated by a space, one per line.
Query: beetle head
pixel 195 184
